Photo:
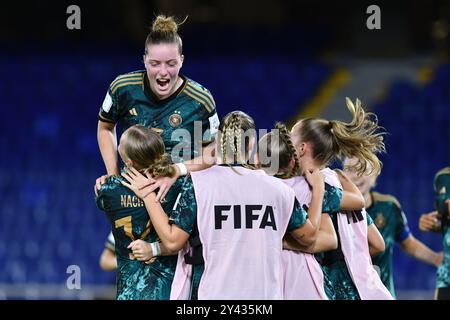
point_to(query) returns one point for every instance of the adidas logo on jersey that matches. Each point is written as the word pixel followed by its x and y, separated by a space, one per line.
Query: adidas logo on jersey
pixel 251 213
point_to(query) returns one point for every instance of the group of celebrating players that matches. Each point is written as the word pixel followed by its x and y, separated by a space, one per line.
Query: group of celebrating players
pixel 236 216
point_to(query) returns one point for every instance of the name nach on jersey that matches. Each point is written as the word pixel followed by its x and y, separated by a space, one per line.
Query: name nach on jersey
pixel 252 213
pixel 128 201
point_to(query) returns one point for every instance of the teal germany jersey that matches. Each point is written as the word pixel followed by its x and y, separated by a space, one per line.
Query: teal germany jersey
pixel 332 199
pixel 442 195
pixel 186 120
pixel 390 220
pixel 338 284
pixel 130 221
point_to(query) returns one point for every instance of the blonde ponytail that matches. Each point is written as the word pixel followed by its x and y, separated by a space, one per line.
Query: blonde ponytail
pixel 361 138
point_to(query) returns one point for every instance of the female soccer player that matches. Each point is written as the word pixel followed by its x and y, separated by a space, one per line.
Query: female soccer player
pixel 241 216
pixel 143 149
pixel 159 97
pixel 304 278
pixel 439 221
pixel 390 220
pixel 318 142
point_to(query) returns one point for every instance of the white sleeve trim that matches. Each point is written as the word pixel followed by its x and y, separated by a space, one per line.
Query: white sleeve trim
pixel 107 103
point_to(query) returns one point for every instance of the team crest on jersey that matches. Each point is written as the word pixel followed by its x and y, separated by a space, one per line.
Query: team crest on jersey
pixel 175 119
pixel 380 221
pixel 443 190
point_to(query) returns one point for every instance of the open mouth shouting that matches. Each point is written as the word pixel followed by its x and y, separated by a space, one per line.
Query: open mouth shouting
pixel 163 84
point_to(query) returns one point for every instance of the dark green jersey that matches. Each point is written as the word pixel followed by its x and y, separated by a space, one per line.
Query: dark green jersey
pixel 184 216
pixel 130 101
pixel 332 199
pixel 390 220
pixel 442 194
pixel 130 221
pixel 337 281
pixel 342 285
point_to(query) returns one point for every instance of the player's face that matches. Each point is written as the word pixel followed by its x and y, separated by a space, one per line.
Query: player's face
pixel 163 63
pixel 364 182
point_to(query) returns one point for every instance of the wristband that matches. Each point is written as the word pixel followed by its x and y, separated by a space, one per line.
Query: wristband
pixel 182 168
pixel 156 248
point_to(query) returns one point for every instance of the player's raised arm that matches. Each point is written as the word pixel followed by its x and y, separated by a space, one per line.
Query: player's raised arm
pixel 307 234
pixel 352 198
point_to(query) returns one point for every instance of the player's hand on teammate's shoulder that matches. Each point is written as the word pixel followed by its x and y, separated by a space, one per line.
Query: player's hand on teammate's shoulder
pixel 140 181
pixel 141 185
pixel 315 178
pixel 98 183
pixel 164 184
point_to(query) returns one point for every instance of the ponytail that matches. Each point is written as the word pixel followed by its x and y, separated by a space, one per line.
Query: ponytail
pixel 361 138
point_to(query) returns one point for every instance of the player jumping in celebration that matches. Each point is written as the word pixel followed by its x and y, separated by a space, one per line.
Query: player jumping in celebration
pixel 241 215
pixel 159 97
